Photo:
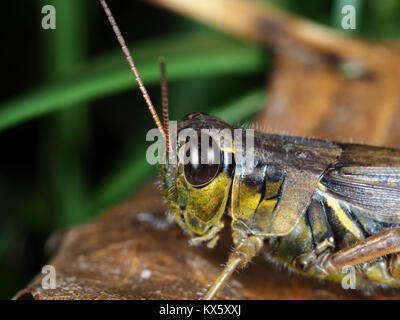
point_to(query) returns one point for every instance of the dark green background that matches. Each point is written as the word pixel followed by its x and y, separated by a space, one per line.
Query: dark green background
pixel 73 124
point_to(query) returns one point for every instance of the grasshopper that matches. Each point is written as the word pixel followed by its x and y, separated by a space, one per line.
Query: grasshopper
pixel 317 206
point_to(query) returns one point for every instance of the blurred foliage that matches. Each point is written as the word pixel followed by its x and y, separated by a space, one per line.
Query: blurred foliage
pixel 73 125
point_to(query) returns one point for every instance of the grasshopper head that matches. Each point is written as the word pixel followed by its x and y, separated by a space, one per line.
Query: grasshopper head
pixel 197 185
pixel 196 191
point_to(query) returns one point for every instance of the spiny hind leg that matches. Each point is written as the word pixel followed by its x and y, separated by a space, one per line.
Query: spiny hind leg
pixel 384 243
pixel 246 247
pixel 324 262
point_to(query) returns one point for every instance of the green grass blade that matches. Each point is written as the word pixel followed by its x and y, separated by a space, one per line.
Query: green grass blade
pixel 190 55
pixel 64 135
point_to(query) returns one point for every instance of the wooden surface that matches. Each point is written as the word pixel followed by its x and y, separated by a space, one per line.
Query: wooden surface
pixel 322 85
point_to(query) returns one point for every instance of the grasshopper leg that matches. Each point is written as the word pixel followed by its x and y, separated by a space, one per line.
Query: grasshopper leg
pixel 380 244
pixel 243 253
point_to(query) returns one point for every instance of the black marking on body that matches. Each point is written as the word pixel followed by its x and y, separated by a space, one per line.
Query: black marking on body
pixel 354 219
pixel 309 226
pixel 330 227
pixel 315 214
pixel 263 189
pixel 280 190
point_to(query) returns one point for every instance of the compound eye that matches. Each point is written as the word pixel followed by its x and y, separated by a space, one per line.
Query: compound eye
pixel 203 165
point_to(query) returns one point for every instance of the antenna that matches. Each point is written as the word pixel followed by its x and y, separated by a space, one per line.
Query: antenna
pixel 129 58
pixel 165 104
